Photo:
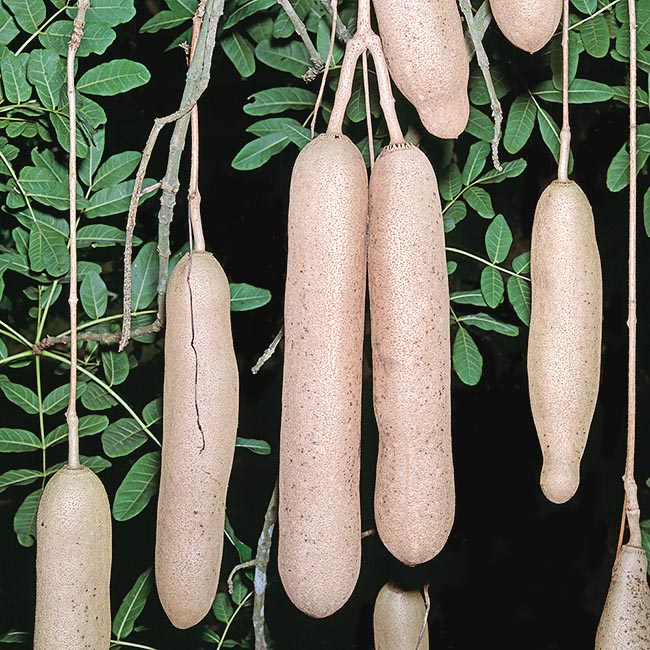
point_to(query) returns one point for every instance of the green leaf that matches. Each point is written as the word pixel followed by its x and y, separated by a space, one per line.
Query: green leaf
pixel 8 29
pixel 480 201
pixel 492 286
pixel 473 297
pixel 520 124
pixel 451 182
pixel 137 488
pixel 243 550
pixel 123 437
pixel 114 199
pixel 509 169
pixel 581 91
pixel 297 134
pixel 291 57
pixel 585 6
pixel 46 71
pixel 478 92
pixel 246 8
pixel 479 125
pixel 116 169
pixel 57 400
pixel 519 296
pixel 489 324
pixel 99 235
pixel 29 14
pixel 646 213
pixel 618 173
pixel 21 396
pixel 144 283
pixel 108 12
pixel 244 297
pixel 476 160
pixel 97 399
pixel 4 353
pixel 239 590
pixel 260 447
pixel 498 239
pixel 521 263
pixel 95 463
pixel 89 425
pixel 16 477
pixel 575 47
pixel 258 152
pixel 241 53
pixel 278 100
pixel 41 221
pixel 97 37
pixel 222 608
pixel 14 636
pixel 113 78
pixel 116 366
pixel 133 604
pixel 25 519
pixel 453 214
pixel 88 165
pixel 14 79
pixel 451 267
pixel 467 360
pixel 152 412
pixel 165 20
pixel 94 295
pixel 18 440
pixel 551 135
pixel 595 36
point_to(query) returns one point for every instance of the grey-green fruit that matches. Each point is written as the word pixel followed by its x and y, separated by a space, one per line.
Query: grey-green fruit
pixel 409 307
pixel 200 410
pixel 427 56
pixel 625 621
pixel 398 620
pixel 528 24
pixel 565 333
pixel 73 563
pixel 319 551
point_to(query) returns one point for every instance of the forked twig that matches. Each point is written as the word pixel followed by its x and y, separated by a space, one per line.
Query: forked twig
pixel 299 26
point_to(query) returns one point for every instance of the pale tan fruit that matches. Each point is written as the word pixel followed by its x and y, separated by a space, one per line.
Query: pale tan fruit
pixel 565 333
pixel 625 621
pixel 200 402
pixel 73 563
pixel 409 306
pixel 427 56
pixel 528 24
pixel 398 619
pixel 319 550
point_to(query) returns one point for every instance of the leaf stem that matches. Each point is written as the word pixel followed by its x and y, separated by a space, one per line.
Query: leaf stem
pixel 17 336
pixel 108 389
pixel 41 423
pixel 15 357
pixel 592 16
pixel 514 274
pixel 231 619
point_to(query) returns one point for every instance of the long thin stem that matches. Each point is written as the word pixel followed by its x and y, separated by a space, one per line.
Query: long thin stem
pixel 71 413
pixel 459 251
pixel 224 636
pixel 565 133
pixel 592 16
pixel 631 499
pixel 194 196
pixel 41 423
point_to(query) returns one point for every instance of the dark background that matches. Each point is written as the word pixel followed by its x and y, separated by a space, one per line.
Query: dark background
pixel 518 571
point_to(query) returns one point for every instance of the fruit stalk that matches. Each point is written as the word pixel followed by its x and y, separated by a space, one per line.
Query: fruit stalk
pixel 565 133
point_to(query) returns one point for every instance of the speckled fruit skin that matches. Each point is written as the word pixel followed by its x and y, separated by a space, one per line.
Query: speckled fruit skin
pixel 398 619
pixel 196 461
pixel 625 621
pixel 319 551
pixel 409 307
pixel 73 563
pixel 565 333
pixel 426 53
pixel 528 24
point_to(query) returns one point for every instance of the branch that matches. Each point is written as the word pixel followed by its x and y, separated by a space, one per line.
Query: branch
pixel 318 65
pixel 198 77
pixel 341 30
pixel 477 30
pixel 268 353
pixel 71 414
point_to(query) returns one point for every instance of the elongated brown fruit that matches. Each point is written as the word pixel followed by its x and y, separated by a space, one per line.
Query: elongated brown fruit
pixel 319 550
pixel 73 563
pixel 565 333
pixel 200 401
pixel 398 620
pixel 528 24
pixel 409 306
pixel 625 621
pixel 426 53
